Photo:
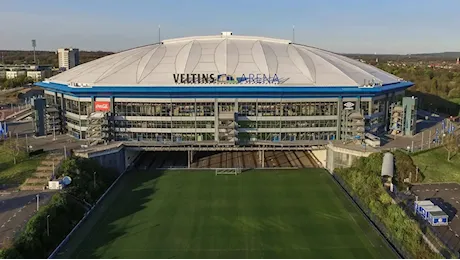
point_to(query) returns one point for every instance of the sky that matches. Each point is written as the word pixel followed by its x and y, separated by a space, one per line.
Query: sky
pixel 345 26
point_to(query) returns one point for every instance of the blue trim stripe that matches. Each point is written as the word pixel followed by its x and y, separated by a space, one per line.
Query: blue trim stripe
pixel 227 91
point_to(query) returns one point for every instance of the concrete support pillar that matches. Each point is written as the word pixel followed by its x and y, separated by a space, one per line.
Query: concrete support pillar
pixel 216 120
pixel 263 158
pixel 386 115
pixel 112 104
pixel 339 118
pixel 62 115
pixel 358 103
pixel 189 158
pixel 260 156
pixel 93 99
pixel 371 106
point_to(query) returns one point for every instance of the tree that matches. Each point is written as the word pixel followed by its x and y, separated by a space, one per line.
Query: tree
pixel 15 148
pixel 451 145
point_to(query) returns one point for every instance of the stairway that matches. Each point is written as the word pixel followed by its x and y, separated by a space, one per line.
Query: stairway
pixel 42 175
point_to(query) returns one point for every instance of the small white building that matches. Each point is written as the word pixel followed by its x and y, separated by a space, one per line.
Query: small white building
pixel 36 74
pixel 431 213
pixel 15 73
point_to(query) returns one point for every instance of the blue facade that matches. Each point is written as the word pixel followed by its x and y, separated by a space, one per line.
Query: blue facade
pixel 241 91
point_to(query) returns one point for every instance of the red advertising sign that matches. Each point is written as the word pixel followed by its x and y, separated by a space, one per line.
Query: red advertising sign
pixel 102 106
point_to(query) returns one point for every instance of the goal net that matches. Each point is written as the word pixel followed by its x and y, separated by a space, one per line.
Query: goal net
pixel 228 171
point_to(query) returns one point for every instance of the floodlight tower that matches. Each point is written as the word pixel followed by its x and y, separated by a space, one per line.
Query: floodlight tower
pixel 34 44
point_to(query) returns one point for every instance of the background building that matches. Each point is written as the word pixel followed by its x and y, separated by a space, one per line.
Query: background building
pixel 36 72
pixel 224 89
pixel 11 74
pixel 68 58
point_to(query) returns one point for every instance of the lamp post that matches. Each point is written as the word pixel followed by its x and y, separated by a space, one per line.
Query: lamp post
pixel 48 225
pixel 94 179
pixel 38 201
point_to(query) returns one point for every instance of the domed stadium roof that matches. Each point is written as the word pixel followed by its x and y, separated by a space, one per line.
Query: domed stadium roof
pixel 180 60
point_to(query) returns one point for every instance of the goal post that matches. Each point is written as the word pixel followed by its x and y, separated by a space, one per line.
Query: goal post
pixel 227 171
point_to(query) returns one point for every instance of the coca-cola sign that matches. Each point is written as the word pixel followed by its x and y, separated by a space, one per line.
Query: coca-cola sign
pixel 102 106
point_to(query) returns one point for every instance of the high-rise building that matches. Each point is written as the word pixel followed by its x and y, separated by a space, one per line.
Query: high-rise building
pixel 68 58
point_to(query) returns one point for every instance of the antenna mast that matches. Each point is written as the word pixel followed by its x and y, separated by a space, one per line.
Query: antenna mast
pixel 159 34
pixel 293 34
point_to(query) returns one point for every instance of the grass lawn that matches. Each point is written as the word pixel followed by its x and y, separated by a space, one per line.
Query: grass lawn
pixel 11 173
pixel 434 166
pixel 258 214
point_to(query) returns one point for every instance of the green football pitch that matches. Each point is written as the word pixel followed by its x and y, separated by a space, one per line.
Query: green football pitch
pixel 257 214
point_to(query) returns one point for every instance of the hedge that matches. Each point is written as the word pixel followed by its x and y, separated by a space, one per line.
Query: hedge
pixel 363 177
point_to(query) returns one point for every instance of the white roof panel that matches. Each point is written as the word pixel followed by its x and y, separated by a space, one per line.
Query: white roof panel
pixel 154 65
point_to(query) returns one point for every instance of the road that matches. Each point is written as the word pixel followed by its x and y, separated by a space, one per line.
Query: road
pixel 16 208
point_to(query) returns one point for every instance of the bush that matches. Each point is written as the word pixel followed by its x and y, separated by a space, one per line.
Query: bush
pixel 364 180
pixel 83 173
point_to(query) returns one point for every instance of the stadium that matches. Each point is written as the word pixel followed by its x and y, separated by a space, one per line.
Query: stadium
pixel 252 109
pixel 223 90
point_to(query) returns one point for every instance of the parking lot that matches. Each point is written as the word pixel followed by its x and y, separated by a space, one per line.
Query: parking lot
pixel 447 197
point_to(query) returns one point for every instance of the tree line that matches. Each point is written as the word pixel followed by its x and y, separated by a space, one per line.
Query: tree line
pixel 45 57
pixel 19 81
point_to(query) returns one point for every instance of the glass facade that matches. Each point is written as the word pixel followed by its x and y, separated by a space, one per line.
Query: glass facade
pixel 287 109
pixel 164 109
pixel 257 120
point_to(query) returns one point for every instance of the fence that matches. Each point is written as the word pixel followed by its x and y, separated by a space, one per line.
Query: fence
pixel 435 137
pixel 397 247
